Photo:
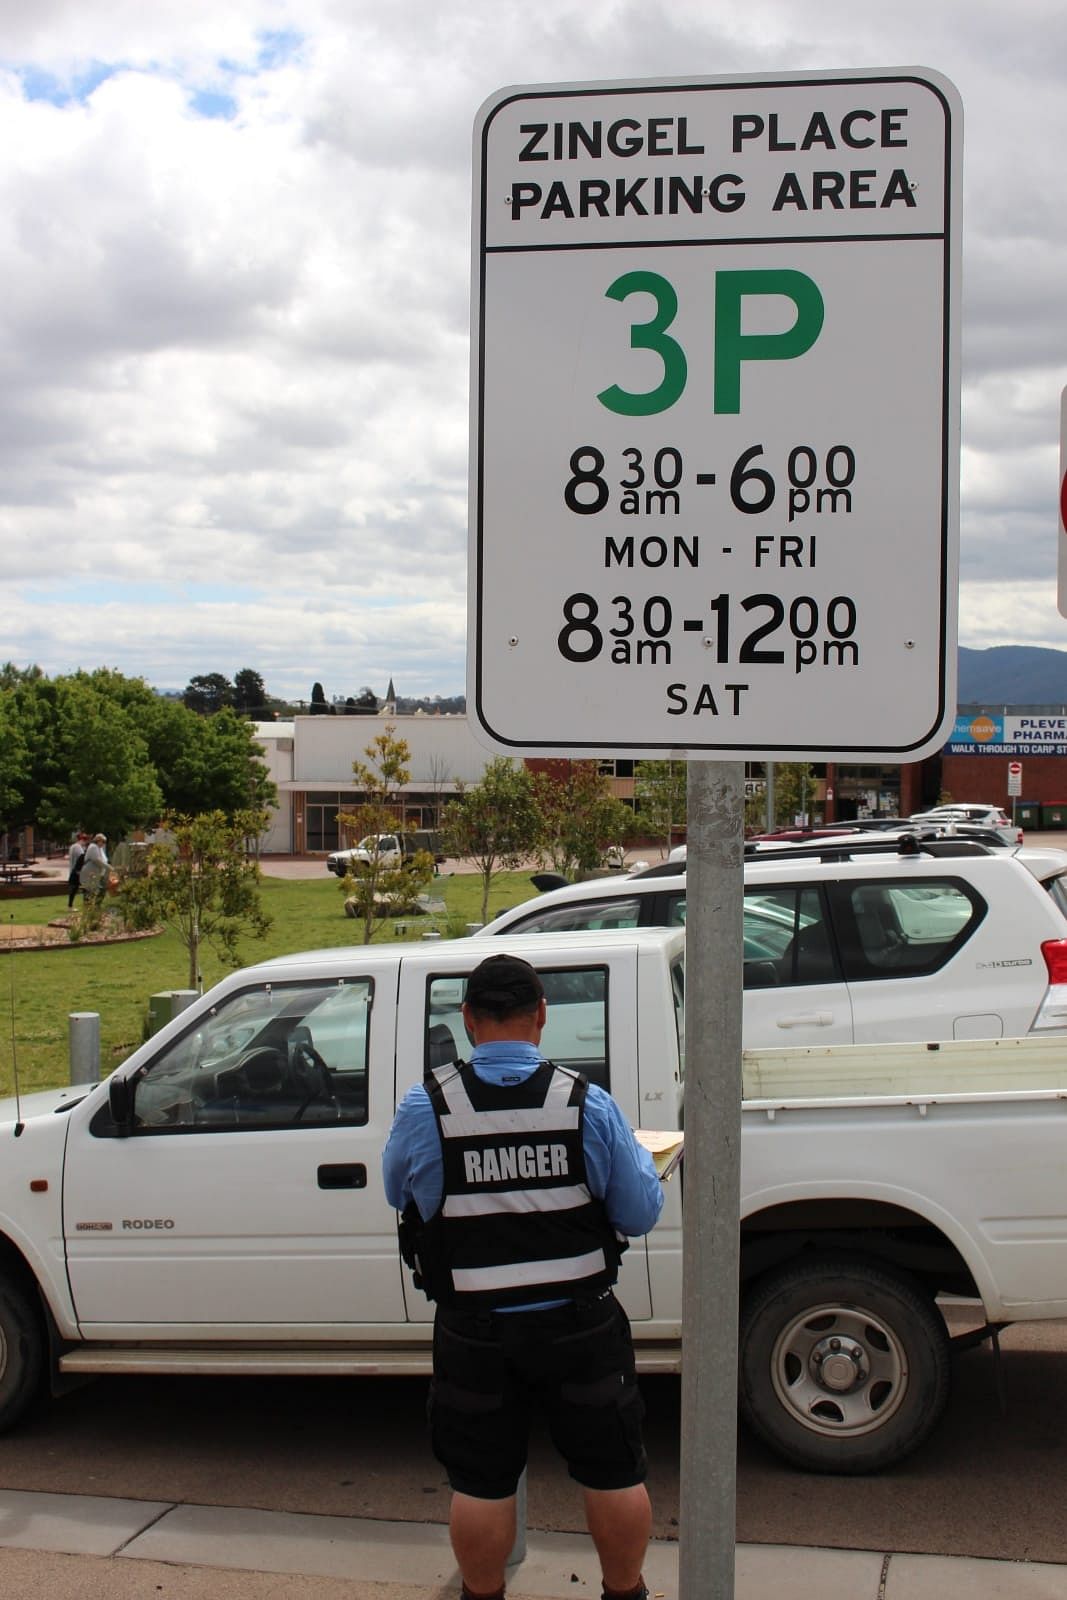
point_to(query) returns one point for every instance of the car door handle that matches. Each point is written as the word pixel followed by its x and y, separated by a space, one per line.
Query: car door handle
pixel 807 1019
pixel 343 1175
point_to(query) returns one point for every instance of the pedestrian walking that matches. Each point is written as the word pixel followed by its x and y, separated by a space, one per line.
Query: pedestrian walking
pixel 75 857
pixel 94 869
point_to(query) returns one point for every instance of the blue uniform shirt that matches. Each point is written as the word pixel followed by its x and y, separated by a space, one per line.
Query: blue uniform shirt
pixel 619 1170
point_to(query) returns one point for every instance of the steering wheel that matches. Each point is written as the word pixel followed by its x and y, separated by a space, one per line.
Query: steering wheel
pixel 311 1073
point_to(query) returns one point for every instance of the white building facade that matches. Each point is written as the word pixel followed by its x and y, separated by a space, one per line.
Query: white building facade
pixel 310 760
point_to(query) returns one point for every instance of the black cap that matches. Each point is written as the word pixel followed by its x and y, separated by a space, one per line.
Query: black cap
pixel 503 986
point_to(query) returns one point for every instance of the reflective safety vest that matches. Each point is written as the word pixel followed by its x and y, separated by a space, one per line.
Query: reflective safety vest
pixel 517 1223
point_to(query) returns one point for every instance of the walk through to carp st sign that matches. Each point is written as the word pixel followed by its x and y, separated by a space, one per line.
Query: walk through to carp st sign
pixel 715 399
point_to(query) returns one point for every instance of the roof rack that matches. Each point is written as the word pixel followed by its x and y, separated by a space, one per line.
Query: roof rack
pixel 839 849
pixel 909 845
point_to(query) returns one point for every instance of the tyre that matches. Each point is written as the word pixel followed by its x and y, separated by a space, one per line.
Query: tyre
pixel 21 1352
pixel 844 1364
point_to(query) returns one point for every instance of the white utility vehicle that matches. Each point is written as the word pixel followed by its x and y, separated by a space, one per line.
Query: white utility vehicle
pixel 384 849
pixel 217 1206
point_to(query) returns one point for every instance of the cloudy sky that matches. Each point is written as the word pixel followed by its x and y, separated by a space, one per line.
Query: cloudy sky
pixel 234 249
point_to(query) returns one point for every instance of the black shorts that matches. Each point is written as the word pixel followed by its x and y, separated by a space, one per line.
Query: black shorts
pixel 575 1363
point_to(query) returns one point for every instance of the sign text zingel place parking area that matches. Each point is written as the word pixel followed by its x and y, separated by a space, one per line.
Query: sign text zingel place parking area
pixel 715 396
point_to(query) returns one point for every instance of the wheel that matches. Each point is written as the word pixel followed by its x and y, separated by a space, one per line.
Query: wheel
pixel 844 1364
pixel 21 1352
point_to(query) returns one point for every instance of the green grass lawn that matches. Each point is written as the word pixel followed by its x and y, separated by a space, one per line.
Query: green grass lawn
pixel 38 989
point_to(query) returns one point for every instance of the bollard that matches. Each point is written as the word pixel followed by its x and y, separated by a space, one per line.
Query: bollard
pixel 84 1029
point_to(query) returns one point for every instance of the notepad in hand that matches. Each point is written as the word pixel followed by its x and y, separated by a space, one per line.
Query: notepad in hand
pixel 666 1148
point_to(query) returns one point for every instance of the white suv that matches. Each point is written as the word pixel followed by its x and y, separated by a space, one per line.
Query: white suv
pixel 942 940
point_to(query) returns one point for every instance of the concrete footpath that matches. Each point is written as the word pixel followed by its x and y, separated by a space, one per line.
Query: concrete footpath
pixel 85 1547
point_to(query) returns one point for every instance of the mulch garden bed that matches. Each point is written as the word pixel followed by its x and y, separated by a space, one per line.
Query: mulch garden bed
pixel 55 935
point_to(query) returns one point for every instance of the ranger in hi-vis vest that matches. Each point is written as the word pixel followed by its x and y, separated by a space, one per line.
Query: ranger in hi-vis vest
pixel 518 1183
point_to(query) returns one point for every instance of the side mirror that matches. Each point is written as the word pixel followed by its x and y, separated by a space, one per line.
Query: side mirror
pixel 120 1104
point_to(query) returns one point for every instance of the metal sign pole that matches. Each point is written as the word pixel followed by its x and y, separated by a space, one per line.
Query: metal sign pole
pixel 714 908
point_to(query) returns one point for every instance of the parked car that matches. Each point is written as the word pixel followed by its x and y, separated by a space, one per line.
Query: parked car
pixel 853 941
pixel 977 815
pixel 388 848
pixel 217 1207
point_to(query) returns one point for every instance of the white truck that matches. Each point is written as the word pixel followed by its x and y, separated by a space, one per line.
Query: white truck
pixel 216 1207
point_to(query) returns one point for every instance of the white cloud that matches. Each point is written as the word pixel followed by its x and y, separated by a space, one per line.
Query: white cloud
pixel 233 348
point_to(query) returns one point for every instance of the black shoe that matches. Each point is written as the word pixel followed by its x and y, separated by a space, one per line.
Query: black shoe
pixel 640 1593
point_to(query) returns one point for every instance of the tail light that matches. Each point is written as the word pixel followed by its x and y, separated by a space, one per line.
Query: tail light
pixel 1055 954
pixel 1018 836
pixel 1053 1012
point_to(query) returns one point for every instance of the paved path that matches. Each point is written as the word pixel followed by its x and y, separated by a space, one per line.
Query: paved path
pixel 85 1547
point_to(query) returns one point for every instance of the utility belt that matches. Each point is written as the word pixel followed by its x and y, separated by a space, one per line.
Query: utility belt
pixel 573 1316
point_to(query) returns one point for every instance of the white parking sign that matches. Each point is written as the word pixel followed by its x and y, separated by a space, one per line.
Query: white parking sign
pixel 714 475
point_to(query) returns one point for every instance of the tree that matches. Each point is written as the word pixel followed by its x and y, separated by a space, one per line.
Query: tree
pixel 249 691
pixel 14 760
pixel 794 792
pixel 378 887
pixel 11 675
pixel 218 767
pixel 202 763
pixel 319 707
pixel 200 883
pixel 660 790
pixel 103 750
pixel 497 824
pixel 207 693
pixel 438 775
pixel 366 700
pixel 88 763
pixel 582 818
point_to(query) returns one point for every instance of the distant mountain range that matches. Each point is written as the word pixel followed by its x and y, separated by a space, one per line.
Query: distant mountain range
pixel 1012 675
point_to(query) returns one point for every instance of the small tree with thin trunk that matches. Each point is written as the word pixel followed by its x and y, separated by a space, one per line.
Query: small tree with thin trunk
pixel 660 789
pixel 438 771
pixel 377 887
pixel 583 820
pixel 497 824
pixel 199 881
pixel 794 792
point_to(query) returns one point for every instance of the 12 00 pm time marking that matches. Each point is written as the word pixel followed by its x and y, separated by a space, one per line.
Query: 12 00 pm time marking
pixel 816 634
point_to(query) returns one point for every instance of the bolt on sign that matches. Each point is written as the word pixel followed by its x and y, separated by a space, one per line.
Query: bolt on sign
pixel 715 400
